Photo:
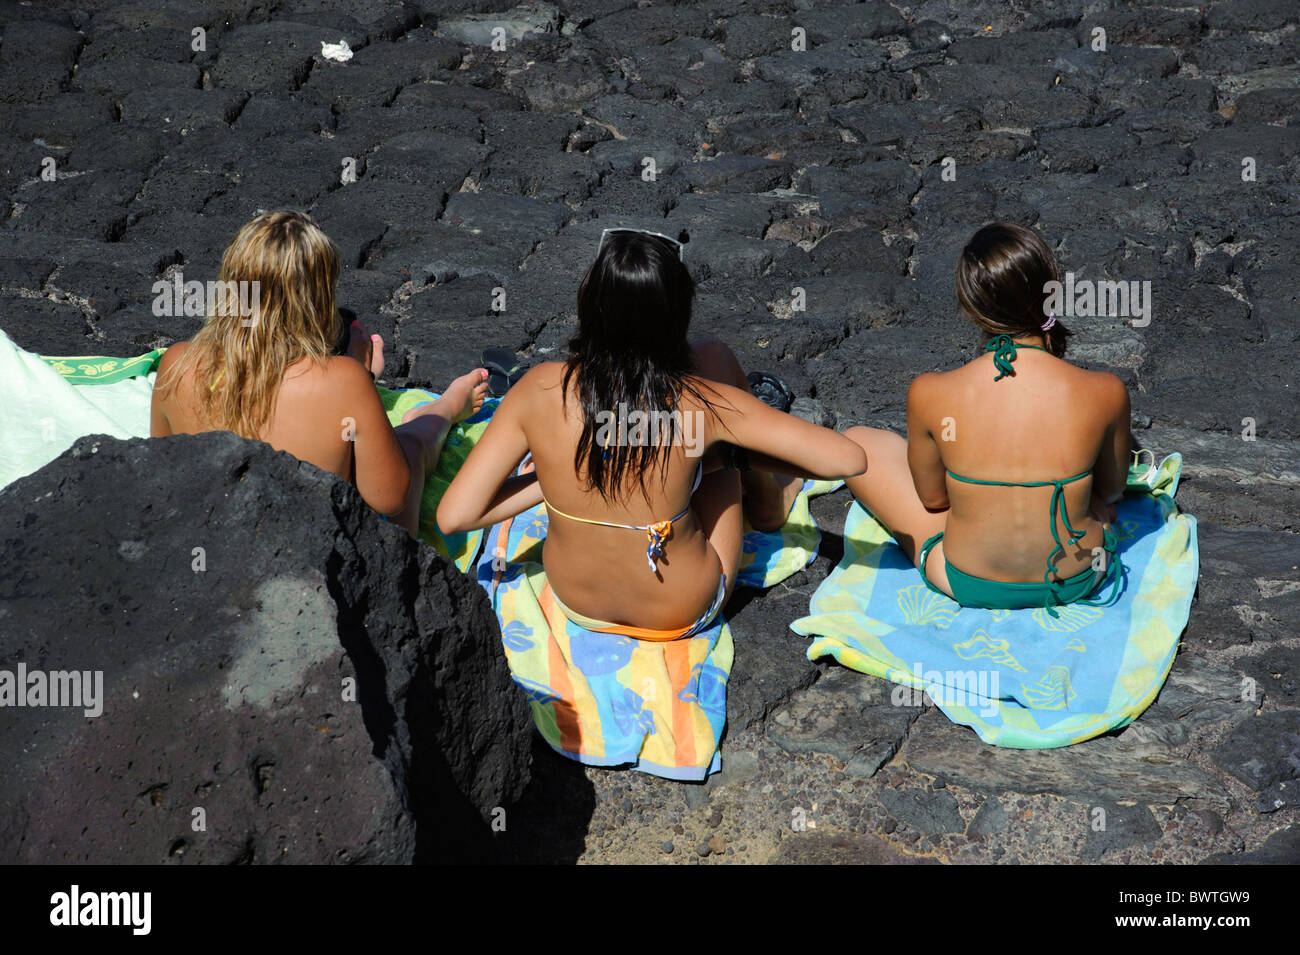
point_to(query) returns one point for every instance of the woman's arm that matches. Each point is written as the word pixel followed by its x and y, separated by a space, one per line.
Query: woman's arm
pixel 718 458
pixel 159 426
pixel 781 442
pixel 485 490
pixel 1110 473
pixel 516 495
pixel 765 462
pixel 382 474
pixel 929 476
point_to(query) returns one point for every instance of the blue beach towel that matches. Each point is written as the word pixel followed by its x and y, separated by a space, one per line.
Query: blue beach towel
pixel 606 699
pixel 1020 678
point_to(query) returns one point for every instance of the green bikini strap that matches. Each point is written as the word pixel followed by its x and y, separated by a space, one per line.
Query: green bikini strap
pixel 1069 480
pixel 1056 509
pixel 1113 578
pixel 1004 353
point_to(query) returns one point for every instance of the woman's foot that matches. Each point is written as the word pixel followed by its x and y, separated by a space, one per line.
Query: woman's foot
pixel 463 398
pixel 769 498
pixel 367 349
pixel 474 388
pixel 424 430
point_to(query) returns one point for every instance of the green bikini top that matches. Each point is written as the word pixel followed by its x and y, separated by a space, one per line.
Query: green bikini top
pixel 1004 353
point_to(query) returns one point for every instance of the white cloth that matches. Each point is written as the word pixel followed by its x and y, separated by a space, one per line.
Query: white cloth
pixel 42 414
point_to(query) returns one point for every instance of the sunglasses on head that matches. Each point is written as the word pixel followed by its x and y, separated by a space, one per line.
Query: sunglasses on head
pixel 605 236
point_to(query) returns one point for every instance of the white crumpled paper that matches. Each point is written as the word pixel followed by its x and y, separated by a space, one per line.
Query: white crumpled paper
pixel 339 52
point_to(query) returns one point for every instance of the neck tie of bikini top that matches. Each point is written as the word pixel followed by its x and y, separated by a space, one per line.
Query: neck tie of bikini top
pixel 1004 353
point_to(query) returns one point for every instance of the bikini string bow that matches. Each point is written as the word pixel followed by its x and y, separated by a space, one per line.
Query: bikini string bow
pixel 657 532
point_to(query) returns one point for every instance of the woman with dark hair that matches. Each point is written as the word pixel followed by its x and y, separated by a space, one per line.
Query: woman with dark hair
pixel 1003 491
pixel 642 446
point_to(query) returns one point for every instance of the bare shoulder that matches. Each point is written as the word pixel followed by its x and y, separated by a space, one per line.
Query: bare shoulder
pixel 535 397
pixel 925 387
pixel 325 386
pixel 1098 396
pixel 347 372
pixel 172 355
pixel 166 383
pixel 547 374
pixel 542 381
pixel 706 393
pixel 1108 389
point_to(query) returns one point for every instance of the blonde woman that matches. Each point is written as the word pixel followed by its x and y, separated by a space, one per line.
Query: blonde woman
pixel 266 365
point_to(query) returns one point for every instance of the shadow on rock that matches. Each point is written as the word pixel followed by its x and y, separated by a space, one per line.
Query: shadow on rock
pixel 549 823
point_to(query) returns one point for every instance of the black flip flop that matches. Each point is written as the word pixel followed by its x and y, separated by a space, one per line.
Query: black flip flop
pixel 770 390
pixel 504 369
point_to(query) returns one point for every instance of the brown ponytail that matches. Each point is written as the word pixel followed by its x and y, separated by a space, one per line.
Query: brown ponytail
pixel 1001 277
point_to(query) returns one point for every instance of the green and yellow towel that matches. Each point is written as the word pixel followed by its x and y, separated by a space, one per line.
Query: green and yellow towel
pixel 1019 678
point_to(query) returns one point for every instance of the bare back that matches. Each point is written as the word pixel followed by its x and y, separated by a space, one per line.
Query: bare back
pixel 1048 422
pixel 326 414
pixel 602 571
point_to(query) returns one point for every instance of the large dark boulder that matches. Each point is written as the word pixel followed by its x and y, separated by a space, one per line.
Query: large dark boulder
pixel 227 670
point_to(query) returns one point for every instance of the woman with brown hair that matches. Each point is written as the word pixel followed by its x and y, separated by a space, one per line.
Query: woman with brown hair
pixel 1002 493
pixel 273 372
pixel 645 532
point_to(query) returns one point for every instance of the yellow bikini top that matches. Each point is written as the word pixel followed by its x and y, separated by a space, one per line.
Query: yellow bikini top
pixel 657 533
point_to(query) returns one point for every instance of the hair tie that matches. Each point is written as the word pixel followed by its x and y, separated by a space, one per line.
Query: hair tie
pixel 1051 320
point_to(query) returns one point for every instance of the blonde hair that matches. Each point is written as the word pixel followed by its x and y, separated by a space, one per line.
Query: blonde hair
pixel 237 362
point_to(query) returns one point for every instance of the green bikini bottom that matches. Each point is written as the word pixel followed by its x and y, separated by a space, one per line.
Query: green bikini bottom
pixel 971 591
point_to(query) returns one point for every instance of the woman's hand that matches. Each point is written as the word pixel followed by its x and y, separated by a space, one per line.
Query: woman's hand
pixel 486 490
pixel 779 442
pixel 1101 512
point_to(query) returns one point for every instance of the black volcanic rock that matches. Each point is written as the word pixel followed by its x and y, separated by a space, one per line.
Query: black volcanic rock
pixel 227 672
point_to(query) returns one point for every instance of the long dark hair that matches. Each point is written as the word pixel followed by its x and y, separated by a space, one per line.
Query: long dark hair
pixel 634 309
pixel 1000 279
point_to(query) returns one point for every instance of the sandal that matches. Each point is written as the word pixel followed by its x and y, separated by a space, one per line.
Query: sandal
pixel 770 390
pixel 504 369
